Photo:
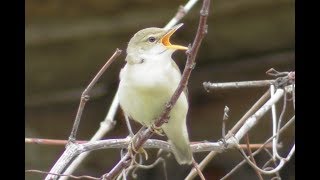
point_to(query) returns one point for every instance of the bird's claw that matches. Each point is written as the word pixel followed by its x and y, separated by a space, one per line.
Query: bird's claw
pixel 132 150
pixel 157 130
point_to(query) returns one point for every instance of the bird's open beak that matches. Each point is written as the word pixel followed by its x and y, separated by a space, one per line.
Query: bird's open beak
pixel 165 40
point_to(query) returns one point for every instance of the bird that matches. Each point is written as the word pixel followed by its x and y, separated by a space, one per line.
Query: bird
pixel 147 82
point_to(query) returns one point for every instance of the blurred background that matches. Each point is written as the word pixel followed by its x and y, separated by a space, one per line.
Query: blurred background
pixel 67 42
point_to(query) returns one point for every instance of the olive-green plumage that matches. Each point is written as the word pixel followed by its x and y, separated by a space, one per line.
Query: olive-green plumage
pixel 148 81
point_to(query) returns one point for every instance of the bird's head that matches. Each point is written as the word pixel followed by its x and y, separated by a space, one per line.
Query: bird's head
pixel 153 41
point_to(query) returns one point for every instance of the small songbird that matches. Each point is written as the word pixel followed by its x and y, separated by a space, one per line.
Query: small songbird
pixel 147 82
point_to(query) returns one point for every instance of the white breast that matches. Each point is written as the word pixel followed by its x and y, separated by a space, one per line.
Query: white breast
pixel 145 88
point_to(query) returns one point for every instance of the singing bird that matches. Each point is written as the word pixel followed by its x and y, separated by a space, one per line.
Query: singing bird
pixel 147 82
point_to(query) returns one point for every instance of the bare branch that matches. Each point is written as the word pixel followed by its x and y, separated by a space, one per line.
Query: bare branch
pixel 182 11
pixel 274 121
pixel 70 176
pixel 85 95
pixel 48 141
pixel 58 168
pixel 224 120
pixel 254 108
pixel 150 143
pixel 276 154
pixel 253 120
pixel 249 123
pixel 260 149
pixel 251 156
pixel 196 166
pixel 193 173
pixel 155 163
pixel 271 160
pixel 128 126
pixel 242 84
pixel 249 113
pixel 273 170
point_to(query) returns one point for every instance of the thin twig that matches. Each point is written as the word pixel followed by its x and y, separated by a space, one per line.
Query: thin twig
pixel 151 143
pixel 242 84
pixel 249 113
pixel 155 163
pixel 128 126
pixel 124 142
pixel 251 156
pixel 253 120
pixel 274 121
pixel 275 73
pixel 196 166
pixel 224 120
pixel 85 95
pixel 249 124
pixel 58 168
pixel 193 173
pixel 105 126
pixel 182 11
pixel 273 170
pixel 284 107
pixel 191 56
pixel 212 154
pixel 271 160
pixel 258 150
pixel 70 176
pixel 49 141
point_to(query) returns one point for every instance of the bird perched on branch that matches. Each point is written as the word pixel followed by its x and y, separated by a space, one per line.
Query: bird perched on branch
pixel 147 82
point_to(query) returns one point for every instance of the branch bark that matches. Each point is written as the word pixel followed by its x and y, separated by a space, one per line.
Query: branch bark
pixel 68 155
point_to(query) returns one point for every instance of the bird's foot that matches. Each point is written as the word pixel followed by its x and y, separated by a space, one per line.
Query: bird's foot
pixel 132 150
pixel 157 130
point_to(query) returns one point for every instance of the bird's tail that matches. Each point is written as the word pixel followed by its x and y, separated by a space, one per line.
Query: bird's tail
pixel 179 140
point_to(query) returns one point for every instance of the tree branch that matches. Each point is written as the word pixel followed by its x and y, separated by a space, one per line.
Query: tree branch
pixel 260 149
pixel 65 158
pixel 85 95
pixel 182 11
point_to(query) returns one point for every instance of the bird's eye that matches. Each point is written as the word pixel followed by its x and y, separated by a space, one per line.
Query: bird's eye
pixel 151 39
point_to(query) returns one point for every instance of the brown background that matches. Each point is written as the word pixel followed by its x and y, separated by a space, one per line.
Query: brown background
pixel 68 41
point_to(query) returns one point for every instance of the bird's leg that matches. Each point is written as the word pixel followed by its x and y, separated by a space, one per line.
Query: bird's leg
pixel 157 130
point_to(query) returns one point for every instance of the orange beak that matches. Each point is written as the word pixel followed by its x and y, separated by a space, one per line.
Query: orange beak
pixel 165 40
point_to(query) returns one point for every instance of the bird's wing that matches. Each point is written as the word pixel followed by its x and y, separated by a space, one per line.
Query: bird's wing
pixel 176 67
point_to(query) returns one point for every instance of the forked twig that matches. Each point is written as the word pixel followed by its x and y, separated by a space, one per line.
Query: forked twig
pixel 251 156
pixel 258 150
pixel 251 111
pixel 85 95
pixel 196 166
pixel 61 164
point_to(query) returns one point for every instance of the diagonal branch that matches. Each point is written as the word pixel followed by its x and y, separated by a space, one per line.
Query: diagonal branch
pixel 191 55
pixel 85 95
pixel 251 156
pixel 63 161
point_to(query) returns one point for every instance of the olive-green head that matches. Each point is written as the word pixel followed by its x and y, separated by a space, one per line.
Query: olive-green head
pixel 153 41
